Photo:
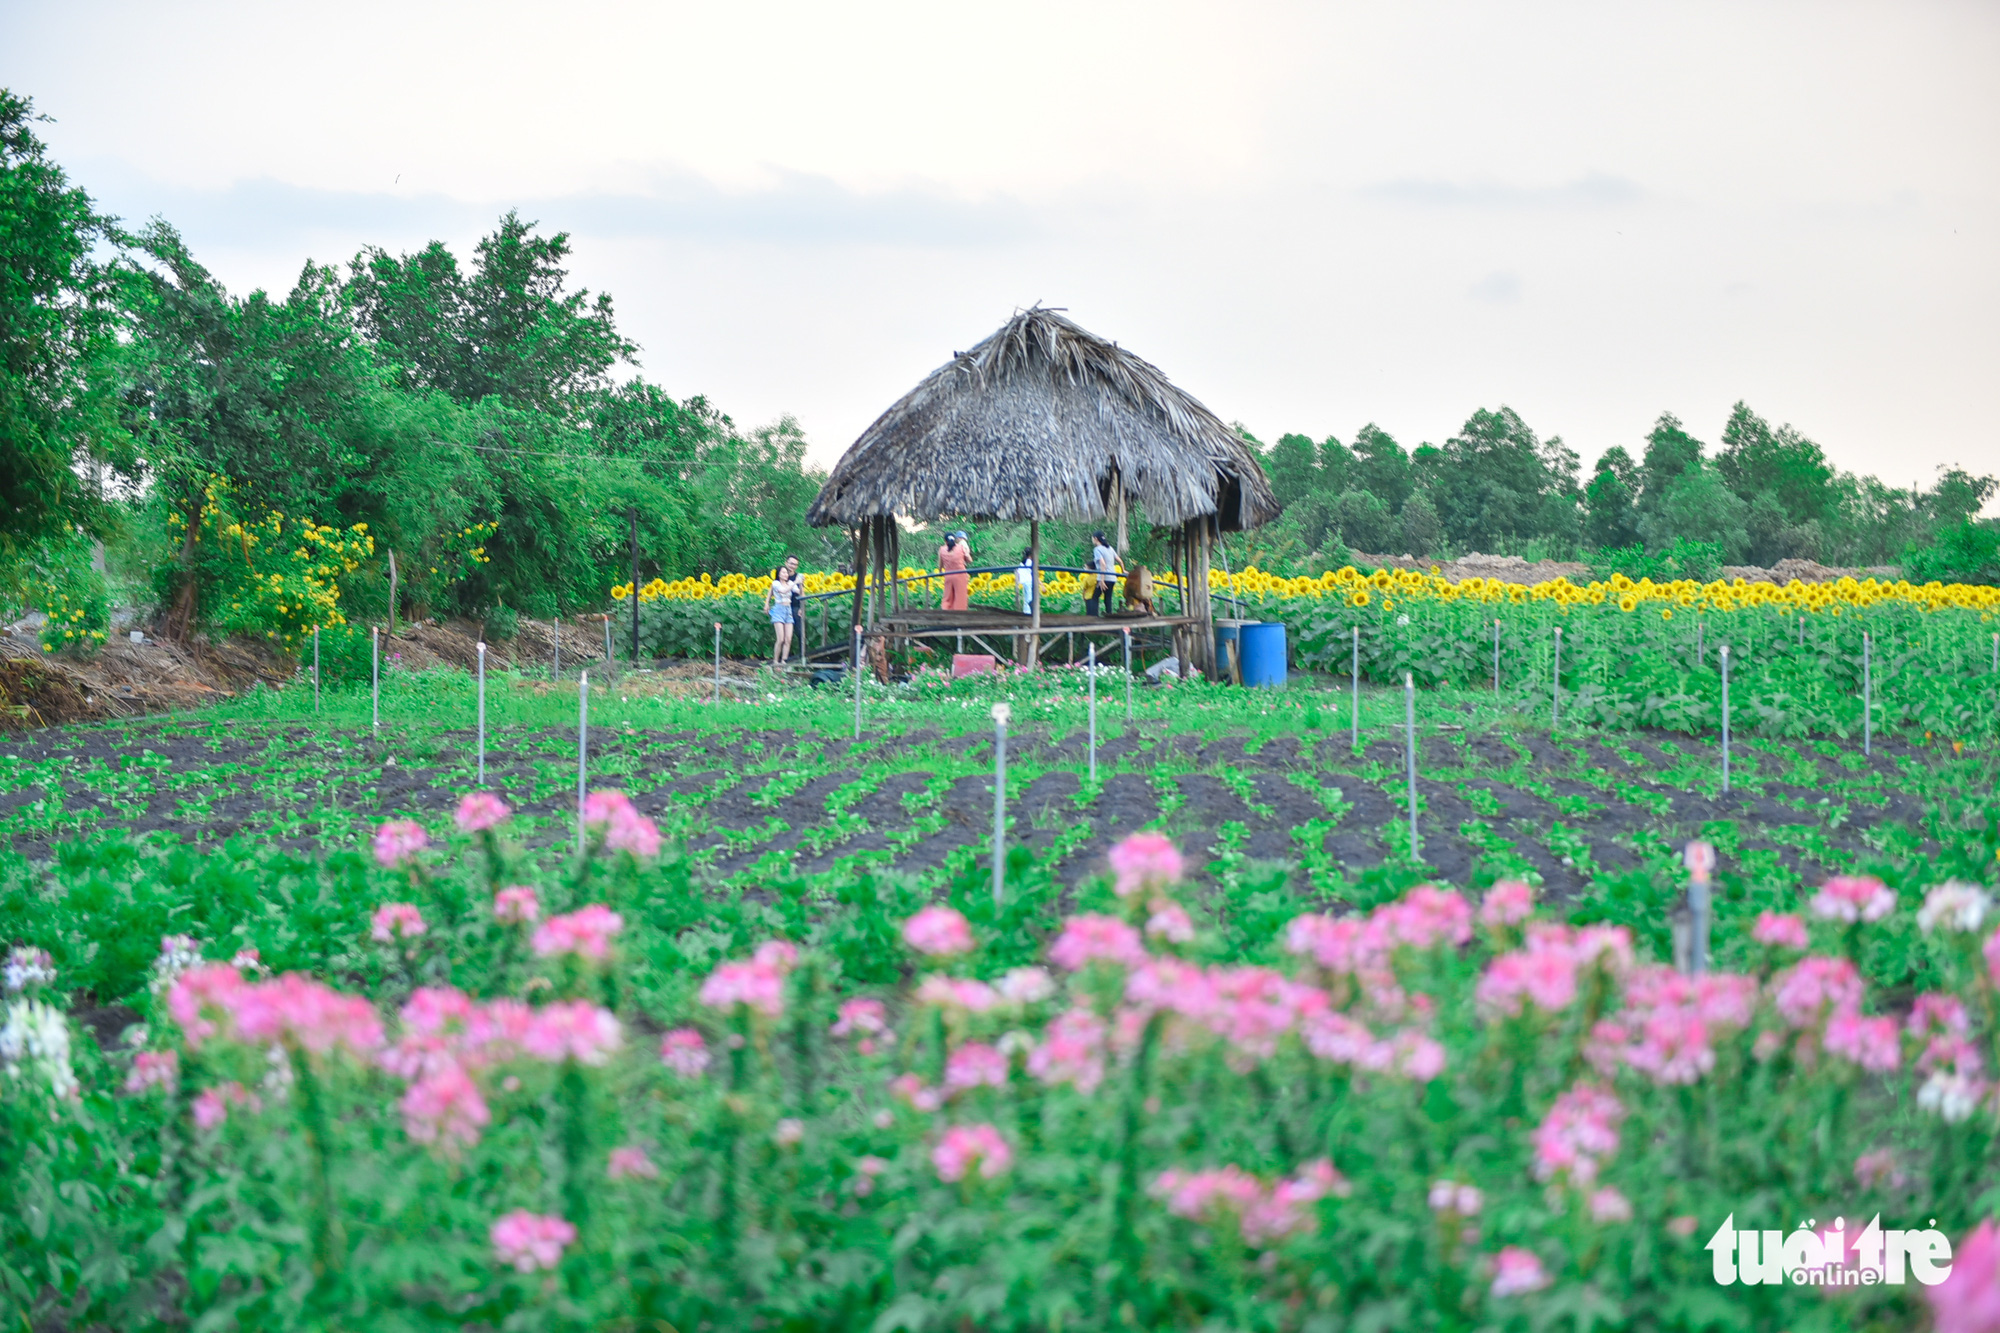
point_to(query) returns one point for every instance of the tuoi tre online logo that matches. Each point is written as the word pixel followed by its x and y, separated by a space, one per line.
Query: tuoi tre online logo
pixel 1808 1257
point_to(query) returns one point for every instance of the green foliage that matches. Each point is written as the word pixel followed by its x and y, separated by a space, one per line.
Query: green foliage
pixel 58 577
pixel 59 322
pixel 1966 553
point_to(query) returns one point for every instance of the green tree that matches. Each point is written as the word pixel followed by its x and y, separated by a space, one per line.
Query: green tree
pixel 1364 522
pixel 1293 468
pixel 1670 451
pixel 508 331
pixel 59 412
pixel 1611 523
pixel 1423 532
pixel 1699 507
pixel 1496 485
pixel 1381 468
pixel 1783 464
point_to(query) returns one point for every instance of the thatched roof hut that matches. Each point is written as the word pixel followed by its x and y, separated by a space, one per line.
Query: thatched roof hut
pixel 1044 420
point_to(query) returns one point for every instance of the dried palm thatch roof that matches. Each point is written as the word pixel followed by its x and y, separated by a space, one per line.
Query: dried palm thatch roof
pixel 1035 422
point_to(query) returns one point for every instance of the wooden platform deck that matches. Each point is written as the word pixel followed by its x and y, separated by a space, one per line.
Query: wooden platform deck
pixel 931 623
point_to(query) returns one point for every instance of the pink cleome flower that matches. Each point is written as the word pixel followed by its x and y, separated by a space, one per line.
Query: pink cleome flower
pixel 1144 861
pixel 1938 1013
pixel 1968 1301
pixel 1814 987
pixel 444 1107
pixel 1544 977
pixel 1608 1205
pixel 631 1164
pixel 868 1017
pixel 1507 903
pixel 1071 1051
pixel 480 811
pixel 1991 952
pixel 398 841
pixel 1853 898
pixel 154 1069
pixel 1087 939
pixel 913 1092
pixel 938 931
pixel 963 1146
pixel 396 921
pixel 1781 930
pixel 1872 1043
pixel 585 932
pixel 203 999
pixel 683 1051
pixel 1517 1271
pixel 1169 921
pixel 1344 945
pixel 211 1105
pixel 1579 1132
pixel 973 1065
pixel 571 1030
pixel 754 984
pixel 1426 917
pixel 297 1011
pixel 1873 1168
pixel 625 829
pixel 531 1241
pixel 517 904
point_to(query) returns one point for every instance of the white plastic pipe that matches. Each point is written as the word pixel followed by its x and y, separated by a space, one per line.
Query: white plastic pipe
pixel 1410 756
pixel 1000 714
pixel 1724 653
pixel 1496 657
pixel 582 747
pixel 1556 683
pixel 1867 697
pixel 1354 679
pixel 375 689
pixel 482 712
pixel 1092 667
pixel 315 668
pixel 718 661
pixel 857 685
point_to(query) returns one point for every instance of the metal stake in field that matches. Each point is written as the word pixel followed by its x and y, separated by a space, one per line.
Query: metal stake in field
pixel 1867 698
pixel 482 712
pixel 1996 654
pixel 607 645
pixel 1724 652
pixel 582 747
pixel 1129 671
pixel 1092 668
pixel 315 668
pixel 1700 862
pixel 1354 679
pixel 718 661
pixel 1496 657
pixel 1699 654
pixel 1410 756
pixel 1556 683
pixel 375 666
pixel 1000 714
pixel 555 633
pixel 857 685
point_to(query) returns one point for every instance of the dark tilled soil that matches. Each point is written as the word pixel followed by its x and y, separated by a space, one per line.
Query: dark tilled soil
pixel 738 798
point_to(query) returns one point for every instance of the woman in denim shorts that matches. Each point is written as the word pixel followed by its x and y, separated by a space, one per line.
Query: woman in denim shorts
pixel 778 601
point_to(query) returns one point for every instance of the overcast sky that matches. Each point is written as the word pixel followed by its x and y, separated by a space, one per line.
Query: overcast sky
pixel 1310 216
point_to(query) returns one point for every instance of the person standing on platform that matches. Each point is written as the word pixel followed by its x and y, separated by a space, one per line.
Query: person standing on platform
pixel 1104 560
pixel 1024 582
pixel 778 600
pixel 954 557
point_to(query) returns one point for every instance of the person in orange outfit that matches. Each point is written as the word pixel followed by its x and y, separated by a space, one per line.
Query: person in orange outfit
pixel 954 557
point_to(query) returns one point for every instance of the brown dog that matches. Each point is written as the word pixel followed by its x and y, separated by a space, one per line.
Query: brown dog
pixel 1139 589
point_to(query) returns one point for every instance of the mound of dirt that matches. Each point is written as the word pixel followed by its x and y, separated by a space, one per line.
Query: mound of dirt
pixel 125 678
pixel 1506 568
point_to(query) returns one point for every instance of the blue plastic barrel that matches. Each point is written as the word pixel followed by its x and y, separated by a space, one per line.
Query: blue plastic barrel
pixel 1228 639
pixel 1264 654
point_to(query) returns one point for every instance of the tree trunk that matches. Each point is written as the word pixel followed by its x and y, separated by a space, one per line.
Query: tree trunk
pixel 179 621
pixel 1035 587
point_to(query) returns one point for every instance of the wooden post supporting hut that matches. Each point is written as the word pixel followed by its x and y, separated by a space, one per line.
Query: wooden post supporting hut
pixel 1044 421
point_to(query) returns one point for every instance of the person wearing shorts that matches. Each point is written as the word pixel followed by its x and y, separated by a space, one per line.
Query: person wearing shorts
pixel 778 600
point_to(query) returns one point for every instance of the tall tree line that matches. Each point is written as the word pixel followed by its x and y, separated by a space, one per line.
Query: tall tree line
pixel 415 393
pixel 1763 495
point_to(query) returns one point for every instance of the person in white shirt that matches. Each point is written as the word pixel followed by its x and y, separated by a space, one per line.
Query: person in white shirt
pixel 1104 560
pixel 1024 583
